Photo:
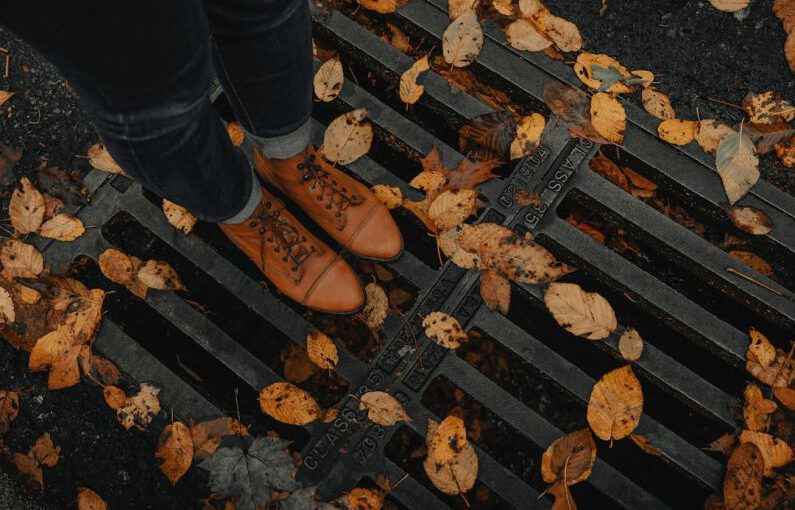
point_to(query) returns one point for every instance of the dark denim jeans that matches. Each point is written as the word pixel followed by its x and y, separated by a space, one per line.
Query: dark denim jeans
pixel 143 68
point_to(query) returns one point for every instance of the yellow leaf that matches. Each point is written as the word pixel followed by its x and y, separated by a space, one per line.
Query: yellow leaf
pixel 581 313
pixel 383 6
pixel 563 32
pixel 157 274
pixel 7 313
pixel 178 216
pixel 528 135
pixel 174 451
pixel 495 290
pixel 20 259
pixel 616 404
pixel 390 196
pixel 742 485
pixel 444 330
pixel 677 131
pixel 62 227
pixel 583 68
pixel 657 104
pixel 5 96
pixel 709 133
pixel 100 158
pixel 288 403
pixel 89 500
pixel 321 350
pixel 462 40
pixel 452 207
pixel 207 436
pixel 451 464
pixel 630 344
pixel 523 35
pixel 608 117
pixel 775 452
pixel 382 408
pixel 730 5
pixel 364 499
pixel 236 133
pixel 348 137
pixel 411 91
pixel 116 266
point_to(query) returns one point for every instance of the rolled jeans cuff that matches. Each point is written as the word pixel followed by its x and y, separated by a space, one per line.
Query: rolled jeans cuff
pixel 251 205
pixel 285 146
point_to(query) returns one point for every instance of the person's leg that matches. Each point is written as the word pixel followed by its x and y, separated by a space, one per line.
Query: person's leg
pixel 142 70
pixel 263 57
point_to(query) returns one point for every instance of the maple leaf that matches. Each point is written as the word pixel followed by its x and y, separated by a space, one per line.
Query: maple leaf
pixel 247 469
pixel 304 499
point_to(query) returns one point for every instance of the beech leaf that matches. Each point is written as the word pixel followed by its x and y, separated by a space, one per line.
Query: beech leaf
pixel 328 80
pixel 178 216
pixel 321 350
pixel 462 40
pixel 581 313
pixel 444 330
pixel 26 208
pixel 616 404
pixel 382 408
pixel 348 137
pixel 288 403
pixel 174 451
pixel 737 165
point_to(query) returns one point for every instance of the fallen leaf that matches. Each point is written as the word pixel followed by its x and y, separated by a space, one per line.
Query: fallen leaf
pixel 563 32
pixel 27 465
pixel 569 459
pixel 767 108
pixel 709 133
pixel 487 136
pixel 288 403
pixel 754 261
pixel 158 275
pixel 9 408
pixel 785 11
pixel 737 165
pixel 236 134
pixel 657 104
pixel 375 306
pixel 528 136
pixel 644 444
pixel 775 452
pixel 456 8
pixel 646 77
pixel 58 352
pixel 616 404
pixel 5 95
pixel 116 266
pixel 605 167
pixel 390 196
pixel 523 35
pixel 756 408
pixel 573 108
pixel 639 182
pixel 44 451
pixel 89 500
pixel 785 151
pixel 382 408
pixel 100 159
pixel 448 243
pixel 348 137
pixel 62 227
pixel 207 436
pixel 26 208
pixel 328 80
pixel 563 497
pixel 20 259
pixel 452 207
pixel 742 485
pixel 174 451
pixel 451 464
pixel 305 499
pixel 138 410
pixel 7 313
pixel 410 90
pixel 784 395
pixel 114 396
pixel 586 65
pixel 85 314
pixel 297 365
pixel 321 350
pixel 789 50
pixel 503 7
pixel 581 313
pixel 723 444
pixel 677 131
pixel 444 330
pixel 383 6
pixel 751 220
pixel 27 295
pixel 767 136
pixel 462 40
pixel 766 363
pixel 105 370
pixel 178 216
pixel 364 499
pixel 730 5
pixel 630 344
pixel 495 290
pixel 248 473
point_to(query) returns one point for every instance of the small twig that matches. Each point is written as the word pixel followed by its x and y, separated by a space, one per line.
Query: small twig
pixel 402 479
pixel 726 103
pixel 752 280
pixel 8 61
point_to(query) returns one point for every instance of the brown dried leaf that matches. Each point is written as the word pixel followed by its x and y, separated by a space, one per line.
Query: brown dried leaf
pixel 207 436
pixel 630 344
pixel 116 266
pixel 754 261
pixel 751 220
pixel 62 227
pixel 581 313
pixel 100 158
pixel 383 6
pixel 775 452
pixel 785 150
pixel 26 208
pixel 523 35
pixel 528 135
pixel 785 395
pixel 452 207
pixel 709 133
pixel 657 104
pixel 767 136
pixel 20 259
pixel 178 216
pixel 174 451
pixel 605 167
pixel 135 411
pixel 487 136
pixel 321 350
pixel 444 330
pixel 236 133
pixel 382 408
pixel 7 313
pixel 495 290
pixel 328 80
pixel 616 404
pixel 448 243
pixel 9 408
pixel 452 463
pixel 27 465
pixel 563 497
pixel 569 459
pixel 348 137
pixel 105 370
pixel 737 164
pixel 723 444
pixel 573 108
pixel 563 32
pixel 583 68
pixel 288 403
pixel 364 499
pixel 5 95
pixel 410 90
pixel 375 306
pixel 768 108
pixel 742 485
pixel 462 40
pixel 756 408
pixel 44 451
pixel 58 352
pixel 114 396
pixel 157 274
pixel 390 196
pixel 89 500
pixel 644 444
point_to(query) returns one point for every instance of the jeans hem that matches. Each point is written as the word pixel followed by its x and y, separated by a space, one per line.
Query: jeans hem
pixel 251 205
pixel 285 146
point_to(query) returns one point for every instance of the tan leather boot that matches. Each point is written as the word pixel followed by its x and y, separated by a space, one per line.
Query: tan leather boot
pixel 301 266
pixel 341 205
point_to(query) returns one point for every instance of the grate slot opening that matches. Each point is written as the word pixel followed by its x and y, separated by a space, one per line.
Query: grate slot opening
pixel 711 224
pixel 631 244
pixel 407 450
pixel 528 313
pixel 180 354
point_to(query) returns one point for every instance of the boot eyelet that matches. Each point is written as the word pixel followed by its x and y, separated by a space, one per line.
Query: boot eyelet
pixel 277 249
pixel 252 224
pixel 262 231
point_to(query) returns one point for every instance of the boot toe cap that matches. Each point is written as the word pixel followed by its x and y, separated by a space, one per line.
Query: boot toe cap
pixel 337 291
pixel 379 238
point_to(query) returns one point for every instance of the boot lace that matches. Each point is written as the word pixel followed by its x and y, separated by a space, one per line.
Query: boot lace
pixel 285 239
pixel 335 196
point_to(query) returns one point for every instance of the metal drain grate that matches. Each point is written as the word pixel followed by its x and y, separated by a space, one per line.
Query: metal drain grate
pixel 340 454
